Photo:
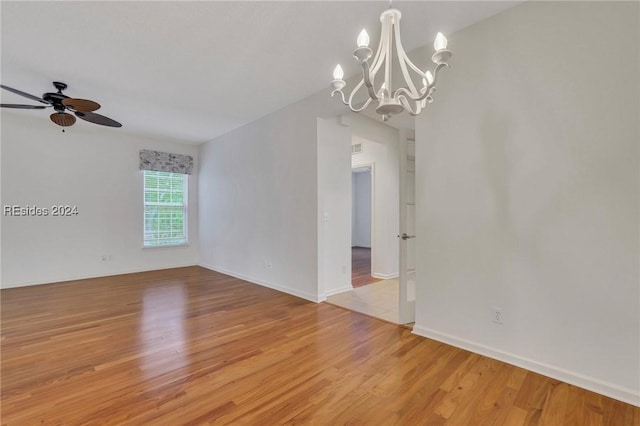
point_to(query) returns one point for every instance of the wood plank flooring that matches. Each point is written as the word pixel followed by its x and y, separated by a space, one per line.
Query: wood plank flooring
pixel 361 267
pixel 189 346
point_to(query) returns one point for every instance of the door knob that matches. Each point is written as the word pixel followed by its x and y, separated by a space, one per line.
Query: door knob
pixel 406 237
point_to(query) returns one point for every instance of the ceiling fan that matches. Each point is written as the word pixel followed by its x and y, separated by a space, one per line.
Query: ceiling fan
pixel 61 103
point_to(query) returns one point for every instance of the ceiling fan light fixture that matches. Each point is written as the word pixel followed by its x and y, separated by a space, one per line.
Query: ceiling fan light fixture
pixel 62 119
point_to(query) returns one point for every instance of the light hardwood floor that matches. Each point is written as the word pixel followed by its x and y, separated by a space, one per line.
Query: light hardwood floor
pixel 361 267
pixel 190 346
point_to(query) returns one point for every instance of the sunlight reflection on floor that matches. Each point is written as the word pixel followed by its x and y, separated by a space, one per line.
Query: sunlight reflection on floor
pixel 162 334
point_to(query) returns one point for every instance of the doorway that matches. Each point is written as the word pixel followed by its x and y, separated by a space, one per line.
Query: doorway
pixel 361 222
pixel 388 151
pixel 374 214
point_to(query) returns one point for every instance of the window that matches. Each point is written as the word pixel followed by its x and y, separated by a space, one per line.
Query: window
pixel 165 208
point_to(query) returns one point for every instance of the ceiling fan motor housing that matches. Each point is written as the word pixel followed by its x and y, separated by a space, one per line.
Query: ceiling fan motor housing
pixel 56 99
pixel 59 86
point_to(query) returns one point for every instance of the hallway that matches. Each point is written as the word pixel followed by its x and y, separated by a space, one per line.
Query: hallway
pixel 361 267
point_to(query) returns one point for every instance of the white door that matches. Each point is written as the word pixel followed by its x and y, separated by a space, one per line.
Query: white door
pixel 407 264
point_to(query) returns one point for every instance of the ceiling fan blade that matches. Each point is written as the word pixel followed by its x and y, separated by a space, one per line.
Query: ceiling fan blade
pixel 83 105
pixel 26 95
pixel 97 119
pixel 22 106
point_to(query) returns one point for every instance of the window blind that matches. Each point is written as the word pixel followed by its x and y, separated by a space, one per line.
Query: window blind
pixel 165 208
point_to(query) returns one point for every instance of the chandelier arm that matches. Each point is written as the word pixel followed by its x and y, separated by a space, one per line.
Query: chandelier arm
pixel 411 64
pixel 389 55
pixel 341 95
pixel 403 92
pixel 349 103
pixel 407 105
pixel 403 59
pixel 353 93
pixel 429 89
pixel 436 70
pixel 366 104
pixel 377 59
pixel 381 54
pixel 367 81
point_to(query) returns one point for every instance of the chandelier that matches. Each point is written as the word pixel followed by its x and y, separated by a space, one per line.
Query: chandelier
pixel 407 98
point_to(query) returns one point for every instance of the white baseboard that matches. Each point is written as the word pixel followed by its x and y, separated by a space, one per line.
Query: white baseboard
pixel 608 389
pixel 90 276
pixel 384 276
pixel 294 292
pixel 338 290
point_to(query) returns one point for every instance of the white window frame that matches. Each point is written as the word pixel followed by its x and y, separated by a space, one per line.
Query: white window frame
pixel 185 211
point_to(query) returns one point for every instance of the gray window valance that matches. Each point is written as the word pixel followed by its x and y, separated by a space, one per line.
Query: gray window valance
pixel 165 162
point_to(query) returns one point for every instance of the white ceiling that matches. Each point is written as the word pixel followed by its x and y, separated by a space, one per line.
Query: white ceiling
pixel 191 71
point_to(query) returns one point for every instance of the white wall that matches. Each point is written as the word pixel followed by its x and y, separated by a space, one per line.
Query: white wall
pixel 361 216
pixel 380 148
pixel 334 206
pixel 259 199
pixel 95 169
pixel 527 193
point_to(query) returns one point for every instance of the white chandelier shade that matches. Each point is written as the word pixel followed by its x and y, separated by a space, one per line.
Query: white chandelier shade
pixel 406 98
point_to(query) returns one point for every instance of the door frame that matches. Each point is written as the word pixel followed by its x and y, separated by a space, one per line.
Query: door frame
pixel 406 308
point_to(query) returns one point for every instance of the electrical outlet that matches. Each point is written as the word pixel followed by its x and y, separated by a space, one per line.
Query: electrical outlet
pixel 497 316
